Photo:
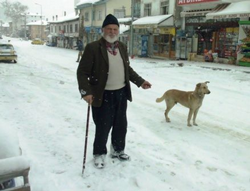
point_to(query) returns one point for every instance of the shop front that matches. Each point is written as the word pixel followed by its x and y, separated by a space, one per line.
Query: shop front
pixel 215 26
pixel 154 37
pixel 227 39
pixel 164 42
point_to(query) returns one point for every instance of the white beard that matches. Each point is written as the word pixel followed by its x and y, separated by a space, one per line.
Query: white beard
pixel 110 39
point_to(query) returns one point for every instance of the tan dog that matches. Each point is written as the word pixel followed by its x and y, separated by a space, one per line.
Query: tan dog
pixel 191 99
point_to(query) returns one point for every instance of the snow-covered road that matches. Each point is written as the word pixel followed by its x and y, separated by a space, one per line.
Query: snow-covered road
pixel 39 99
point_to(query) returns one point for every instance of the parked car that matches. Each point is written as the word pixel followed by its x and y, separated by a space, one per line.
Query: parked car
pixel 8 53
pixel 37 41
pixel 51 44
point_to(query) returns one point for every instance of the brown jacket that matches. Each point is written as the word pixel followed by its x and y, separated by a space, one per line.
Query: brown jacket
pixel 92 72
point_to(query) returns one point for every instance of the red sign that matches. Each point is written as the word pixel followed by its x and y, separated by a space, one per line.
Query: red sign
pixel 188 2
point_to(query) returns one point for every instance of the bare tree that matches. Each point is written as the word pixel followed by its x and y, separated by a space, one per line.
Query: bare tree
pixel 14 11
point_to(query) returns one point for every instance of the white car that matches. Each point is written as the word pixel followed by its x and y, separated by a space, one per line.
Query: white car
pixel 8 53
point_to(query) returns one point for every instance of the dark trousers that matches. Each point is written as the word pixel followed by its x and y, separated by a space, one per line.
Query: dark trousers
pixel 111 115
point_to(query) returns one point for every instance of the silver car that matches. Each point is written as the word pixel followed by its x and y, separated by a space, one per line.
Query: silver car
pixel 8 53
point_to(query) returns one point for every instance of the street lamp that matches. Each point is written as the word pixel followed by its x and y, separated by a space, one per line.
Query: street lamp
pixel 41 18
pixel 131 29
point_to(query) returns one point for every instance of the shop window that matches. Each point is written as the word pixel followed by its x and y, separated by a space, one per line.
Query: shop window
pixel 99 15
pixel 76 27
pixel 164 7
pixel 93 16
pixel 162 45
pixel 137 8
pixel 86 16
pixel 119 13
pixel 147 9
pixel 71 28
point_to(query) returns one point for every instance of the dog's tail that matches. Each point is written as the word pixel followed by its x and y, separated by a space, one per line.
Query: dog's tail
pixel 160 99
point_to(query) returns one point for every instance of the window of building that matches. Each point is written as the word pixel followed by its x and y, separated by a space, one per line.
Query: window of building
pixel 164 7
pixel 119 13
pixel 51 29
pixel 76 27
pixel 86 17
pixel 59 28
pixel 71 28
pixel 93 15
pixel 67 28
pixel 64 28
pixel 99 15
pixel 137 8
pixel 147 9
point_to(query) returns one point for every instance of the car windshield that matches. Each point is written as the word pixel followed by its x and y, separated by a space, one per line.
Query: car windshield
pixel 6 47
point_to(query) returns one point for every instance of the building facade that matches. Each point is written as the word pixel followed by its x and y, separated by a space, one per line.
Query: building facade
pixel 155 30
pixel 93 14
pixel 64 31
pixel 37 30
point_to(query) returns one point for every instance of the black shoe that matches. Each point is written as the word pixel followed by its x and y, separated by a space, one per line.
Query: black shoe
pixel 121 156
pixel 77 61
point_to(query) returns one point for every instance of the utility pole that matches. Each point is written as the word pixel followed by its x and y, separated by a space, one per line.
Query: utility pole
pixel 131 30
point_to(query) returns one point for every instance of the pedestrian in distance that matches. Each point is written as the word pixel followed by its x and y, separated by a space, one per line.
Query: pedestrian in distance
pixel 104 74
pixel 79 46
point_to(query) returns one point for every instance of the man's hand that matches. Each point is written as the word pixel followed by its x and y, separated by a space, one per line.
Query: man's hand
pixel 88 99
pixel 146 85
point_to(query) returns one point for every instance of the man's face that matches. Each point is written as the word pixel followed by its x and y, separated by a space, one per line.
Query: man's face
pixel 111 33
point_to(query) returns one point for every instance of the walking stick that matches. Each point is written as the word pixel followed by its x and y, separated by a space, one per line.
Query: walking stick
pixel 86 140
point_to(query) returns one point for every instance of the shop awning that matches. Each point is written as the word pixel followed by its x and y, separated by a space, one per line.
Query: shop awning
pixel 195 13
pixel 233 10
pixel 154 21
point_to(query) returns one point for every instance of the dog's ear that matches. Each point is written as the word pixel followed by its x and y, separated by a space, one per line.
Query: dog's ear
pixel 198 85
pixel 207 82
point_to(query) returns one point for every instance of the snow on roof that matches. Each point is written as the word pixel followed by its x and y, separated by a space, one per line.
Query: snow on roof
pixel 234 9
pixel 86 1
pixel 69 17
pixel 6 25
pixel 151 20
pixel 33 14
pixel 38 23
pixel 123 28
pixel 124 20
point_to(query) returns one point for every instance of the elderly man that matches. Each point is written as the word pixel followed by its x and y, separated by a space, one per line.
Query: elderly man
pixel 104 74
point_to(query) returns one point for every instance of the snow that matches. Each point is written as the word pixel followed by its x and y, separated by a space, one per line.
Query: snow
pixel 8 139
pixel 123 28
pixel 151 19
pixel 69 17
pixel 39 99
pixel 13 164
pixel 82 2
pixel 38 23
pixel 238 8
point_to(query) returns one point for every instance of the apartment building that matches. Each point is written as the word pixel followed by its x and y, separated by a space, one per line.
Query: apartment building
pixel 64 31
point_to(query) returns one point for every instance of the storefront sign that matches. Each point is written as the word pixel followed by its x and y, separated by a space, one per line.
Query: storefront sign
pixel 167 31
pixel 188 2
pixel 231 16
pixel 196 20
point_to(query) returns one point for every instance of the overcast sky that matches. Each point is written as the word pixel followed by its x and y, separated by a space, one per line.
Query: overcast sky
pixel 49 7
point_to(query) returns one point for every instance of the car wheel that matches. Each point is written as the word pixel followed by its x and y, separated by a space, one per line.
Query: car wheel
pixel 15 61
